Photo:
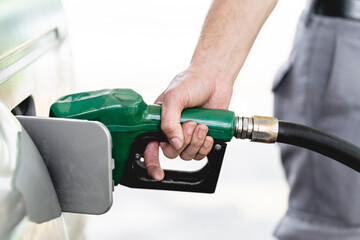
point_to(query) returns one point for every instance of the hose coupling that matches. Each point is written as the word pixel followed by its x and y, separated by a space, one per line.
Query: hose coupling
pixel 257 128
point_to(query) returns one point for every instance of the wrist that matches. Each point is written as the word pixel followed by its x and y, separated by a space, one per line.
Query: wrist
pixel 214 71
pixel 207 79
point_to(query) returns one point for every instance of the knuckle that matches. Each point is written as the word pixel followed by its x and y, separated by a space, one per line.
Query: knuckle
pixel 199 156
pixel 171 155
pixel 204 151
pixel 197 144
pixel 185 156
pixel 174 96
pixel 167 127
pixel 187 141
pixel 171 95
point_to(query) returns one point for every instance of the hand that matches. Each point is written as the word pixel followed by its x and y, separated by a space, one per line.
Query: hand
pixel 229 31
pixel 191 88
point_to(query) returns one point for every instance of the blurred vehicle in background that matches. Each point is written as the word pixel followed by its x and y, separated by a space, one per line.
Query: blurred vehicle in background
pixel 35 69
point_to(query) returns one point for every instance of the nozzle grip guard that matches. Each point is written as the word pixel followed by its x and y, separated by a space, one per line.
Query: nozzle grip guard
pixel 203 180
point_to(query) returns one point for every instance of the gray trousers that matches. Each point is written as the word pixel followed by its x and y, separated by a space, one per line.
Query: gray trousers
pixel 319 86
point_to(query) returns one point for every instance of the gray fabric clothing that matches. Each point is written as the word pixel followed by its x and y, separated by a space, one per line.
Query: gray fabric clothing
pixel 319 86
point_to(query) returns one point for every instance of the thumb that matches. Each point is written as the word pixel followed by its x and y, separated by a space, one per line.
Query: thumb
pixel 172 106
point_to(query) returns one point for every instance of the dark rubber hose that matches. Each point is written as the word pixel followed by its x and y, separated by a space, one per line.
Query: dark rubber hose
pixel 321 142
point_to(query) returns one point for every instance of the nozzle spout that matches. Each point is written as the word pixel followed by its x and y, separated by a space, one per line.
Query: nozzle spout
pixel 257 128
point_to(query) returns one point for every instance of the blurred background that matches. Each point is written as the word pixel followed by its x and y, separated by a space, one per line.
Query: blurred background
pixel 142 45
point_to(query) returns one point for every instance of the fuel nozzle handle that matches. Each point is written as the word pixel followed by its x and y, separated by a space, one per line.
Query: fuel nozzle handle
pixel 257 128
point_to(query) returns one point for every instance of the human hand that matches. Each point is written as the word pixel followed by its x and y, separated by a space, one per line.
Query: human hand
pixel 190 88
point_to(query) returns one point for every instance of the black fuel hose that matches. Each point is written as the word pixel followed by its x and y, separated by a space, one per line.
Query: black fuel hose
pixel 320 142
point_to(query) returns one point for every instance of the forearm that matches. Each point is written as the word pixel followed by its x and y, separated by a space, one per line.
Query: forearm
pixel 228 34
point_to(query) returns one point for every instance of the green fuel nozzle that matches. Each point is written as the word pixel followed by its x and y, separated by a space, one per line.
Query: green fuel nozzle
pixel 133 124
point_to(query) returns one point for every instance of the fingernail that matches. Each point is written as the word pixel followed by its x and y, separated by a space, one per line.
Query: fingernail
pixel 191 128
pixel 158 175
pixel 202 133
pixel 176 143
pixel 207 143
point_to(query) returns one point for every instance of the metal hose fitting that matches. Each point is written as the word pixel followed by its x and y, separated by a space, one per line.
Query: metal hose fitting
pixel 257 128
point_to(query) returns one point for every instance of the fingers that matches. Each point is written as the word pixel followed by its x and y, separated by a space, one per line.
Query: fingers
pixel 188 130
pixel 199 146
pixel 205 149
pixel 172 106
pixel 196 144
pixel 151 160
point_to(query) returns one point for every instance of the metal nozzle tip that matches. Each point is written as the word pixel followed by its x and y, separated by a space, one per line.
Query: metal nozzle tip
pixel 257 128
